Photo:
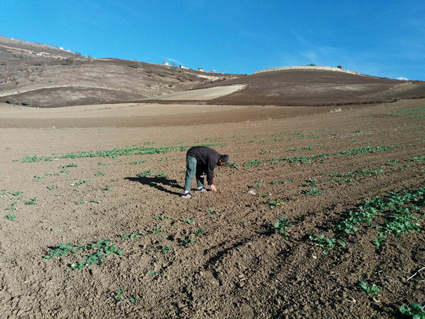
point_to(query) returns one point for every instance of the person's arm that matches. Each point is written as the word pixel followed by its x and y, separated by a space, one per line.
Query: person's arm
pixel 210 172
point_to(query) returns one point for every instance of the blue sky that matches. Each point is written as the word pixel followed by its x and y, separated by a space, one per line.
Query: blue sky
pixel 380 37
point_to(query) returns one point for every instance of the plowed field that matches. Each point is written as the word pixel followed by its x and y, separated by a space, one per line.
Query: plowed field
pixel 93 225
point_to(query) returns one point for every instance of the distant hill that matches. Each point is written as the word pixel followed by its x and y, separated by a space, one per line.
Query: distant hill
pixel 311 85
pixel 39 75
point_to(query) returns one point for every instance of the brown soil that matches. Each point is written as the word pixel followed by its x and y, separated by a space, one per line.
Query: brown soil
pixel 240 267
pixel 316 87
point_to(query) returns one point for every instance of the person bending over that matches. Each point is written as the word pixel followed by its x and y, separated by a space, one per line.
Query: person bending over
pixel 201 161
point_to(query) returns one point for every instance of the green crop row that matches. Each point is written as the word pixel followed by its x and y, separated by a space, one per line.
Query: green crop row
pixel 110 153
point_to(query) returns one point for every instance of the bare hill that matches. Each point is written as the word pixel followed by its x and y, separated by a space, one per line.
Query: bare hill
pixel 39 75
pixel 316 86
pixel 45 76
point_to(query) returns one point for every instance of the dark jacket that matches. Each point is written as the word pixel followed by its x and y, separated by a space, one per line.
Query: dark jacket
pixel 207 160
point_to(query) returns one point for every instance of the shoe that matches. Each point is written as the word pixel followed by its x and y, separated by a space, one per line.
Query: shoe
pixel 188 195
pixel 201 189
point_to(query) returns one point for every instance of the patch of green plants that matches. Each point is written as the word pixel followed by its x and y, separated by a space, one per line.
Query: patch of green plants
pixel 198 232
pixel 281 225
pixel 99 173
pixel 12 206
pixel 416 311
pixel 372 291
pixel 137 162
pixel 114 153
pixel 314 191
pixel 273 203
pixel 253 162
pixel 10 217
pixel 166 248
pixel 420 159
pixel 212 213
pixel 69 165
pixel 266 151
pixel 326 243
pixel 161 174
pixel 302 148
pixel 414 110
pixel 311 182
pixel 136 234
pixel 146 173
pixel 188 221
pixel 119 299
pixel 233 165
pixel 80 183
pixel 31 201
pixel 162 217
pixel 368 149
pixel 98 252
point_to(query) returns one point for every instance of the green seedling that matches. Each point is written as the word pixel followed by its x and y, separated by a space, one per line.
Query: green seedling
pixel 233 165
pixel 273 203
pixel 62 250
pixel 314 191
pixel 187 240
pixel 106 188
pixel 253 162
pixel 137 162
pixel 146 173
pixel 157 231
pixel 31 201
pixel 50 188
pixel 416 311
pixel 12 207
pixel 188 221
pixel 119 299
pixel 372 291
pixel 326 243
pixel 10 217
pixel 160 218
pixel 281 225
pixel 133 235
pixel 380 241
pixel 311 182
pixel 152 273
pixel 99 173
pixel 166 249
pixel 80 183
pixel 212 212
pixel 198 232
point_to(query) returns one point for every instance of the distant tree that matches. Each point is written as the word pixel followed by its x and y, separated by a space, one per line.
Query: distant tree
pixel 77 53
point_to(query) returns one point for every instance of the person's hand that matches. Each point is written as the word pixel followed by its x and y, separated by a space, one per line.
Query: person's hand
pixel 213 188
pixel 203 175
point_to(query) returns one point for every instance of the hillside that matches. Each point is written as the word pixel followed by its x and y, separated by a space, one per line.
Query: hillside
pixel 45 76
pixel 316 86
pixel 39 75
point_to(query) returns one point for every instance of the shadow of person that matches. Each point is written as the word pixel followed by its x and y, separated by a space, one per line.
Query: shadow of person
pixel 158 182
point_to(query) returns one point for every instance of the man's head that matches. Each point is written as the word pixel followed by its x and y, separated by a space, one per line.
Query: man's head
pixel 224 160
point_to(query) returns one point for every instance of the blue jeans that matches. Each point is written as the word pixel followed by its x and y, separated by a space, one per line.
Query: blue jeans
pixel 191 170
